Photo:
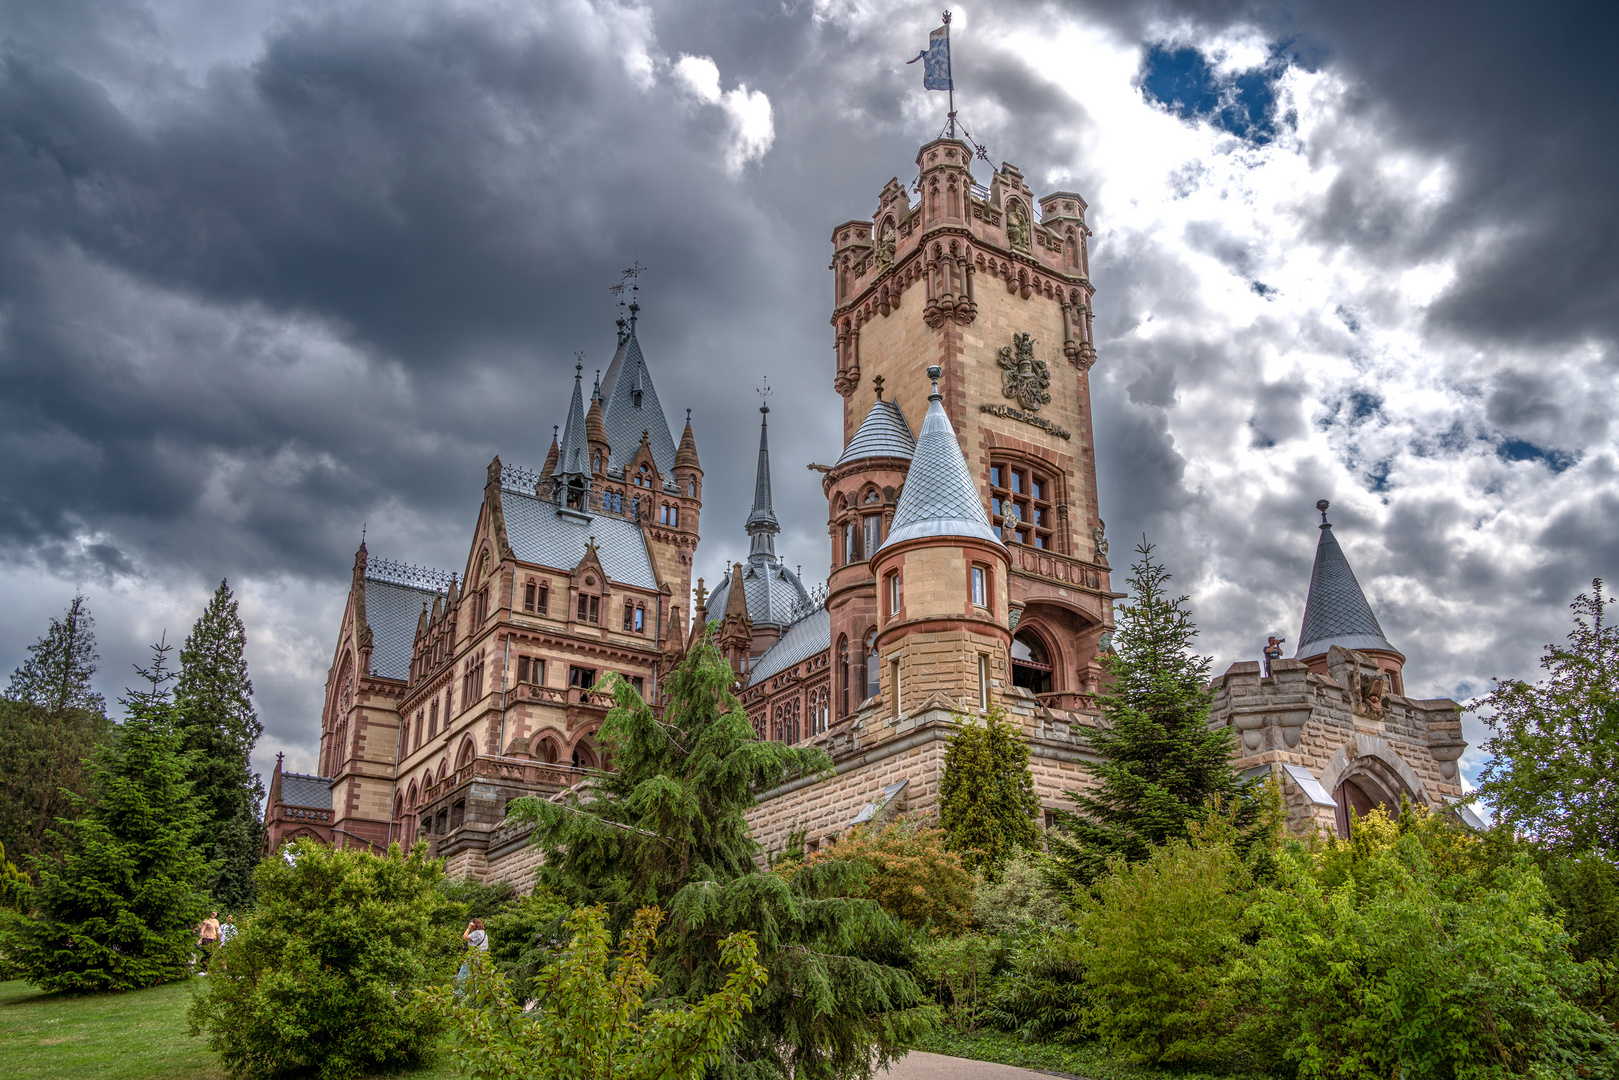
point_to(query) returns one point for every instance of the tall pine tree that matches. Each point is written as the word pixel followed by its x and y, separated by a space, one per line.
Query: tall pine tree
pixel 214 702
pixel 667 828
pixel 120 908
pixel 1158 765
pixel 51 718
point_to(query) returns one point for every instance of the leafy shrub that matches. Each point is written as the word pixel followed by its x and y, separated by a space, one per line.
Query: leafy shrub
pixel 525 936
pixel 909 874
pixel 959 969
pixel 1022 899
pixel 589 1023
pixel 319 978
pixel 1042 995
pixel 987 804
pixel 1162 950
pixel 1404 951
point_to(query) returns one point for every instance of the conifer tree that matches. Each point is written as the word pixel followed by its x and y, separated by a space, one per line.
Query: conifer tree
pixel 213 699
pixel 50 720
pixel 1158 765
pixel 119 909
pixel 1554 743
pixel 987 803
pixel 667 829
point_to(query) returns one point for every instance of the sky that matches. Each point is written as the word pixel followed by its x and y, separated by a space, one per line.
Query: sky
pixel 274 273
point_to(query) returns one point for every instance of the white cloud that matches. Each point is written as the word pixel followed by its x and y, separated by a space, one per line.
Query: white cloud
pixel 752 127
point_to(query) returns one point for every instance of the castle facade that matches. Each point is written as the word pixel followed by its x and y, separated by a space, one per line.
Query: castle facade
pixel 967 569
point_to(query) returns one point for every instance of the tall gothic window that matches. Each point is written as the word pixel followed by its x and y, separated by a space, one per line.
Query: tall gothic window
pixel 874 672
pixel 1020 503
pixel 873 533
pixel 843 674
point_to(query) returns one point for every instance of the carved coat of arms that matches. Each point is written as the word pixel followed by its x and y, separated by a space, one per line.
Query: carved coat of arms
pixel 1023 378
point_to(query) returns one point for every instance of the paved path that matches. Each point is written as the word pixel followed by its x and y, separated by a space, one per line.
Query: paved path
pixel 919 1066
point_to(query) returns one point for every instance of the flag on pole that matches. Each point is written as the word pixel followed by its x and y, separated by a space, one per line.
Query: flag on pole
pixel 936 57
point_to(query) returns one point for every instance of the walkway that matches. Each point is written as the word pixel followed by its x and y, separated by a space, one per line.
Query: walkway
pixel 919 1066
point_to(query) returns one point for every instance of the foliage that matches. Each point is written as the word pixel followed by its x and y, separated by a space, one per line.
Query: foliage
pixel 1022 899
pixel 319 979
pixel 960 968
pixel 1157 761
pixel 1584 889
pixel 214 700
pixel 589 1023
pixel 1163 949
pixel 15 891
pixel 668 829
pixel 525 932
pixel 1089 1058
pixel 1554 743
pixel 56 676
pixel 50 721
pixel 1042 995
pixel 987 805
pixel 119 909
pixel 468 898
pixel 910 874
pixel 1405 952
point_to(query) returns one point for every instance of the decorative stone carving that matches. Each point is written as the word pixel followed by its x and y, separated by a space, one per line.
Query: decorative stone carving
pixel 1023 378
pixel 1018 233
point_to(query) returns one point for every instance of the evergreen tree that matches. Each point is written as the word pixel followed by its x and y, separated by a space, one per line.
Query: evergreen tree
pixel 213 698
pixel 119 909
pixel 667 829
pixel 1555 743
pixel 1158 765
pixel 987 803
pixel 50 720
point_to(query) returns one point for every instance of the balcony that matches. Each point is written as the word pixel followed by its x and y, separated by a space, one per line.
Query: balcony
pixel 538 775
pixel 1044 563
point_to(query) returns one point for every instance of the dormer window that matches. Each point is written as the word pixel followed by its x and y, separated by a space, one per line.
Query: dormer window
pixel 635 398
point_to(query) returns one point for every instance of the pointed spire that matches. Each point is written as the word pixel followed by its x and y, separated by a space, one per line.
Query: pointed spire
pixel 574 460
pixel 1336 612
pixel 551 457
pixel 939 497
pixel 736 599
pixel 594 431
pixel 762 525
pixel 686 454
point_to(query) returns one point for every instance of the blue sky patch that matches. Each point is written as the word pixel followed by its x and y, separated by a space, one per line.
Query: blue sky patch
pixel 1524 450
pixel 1182 81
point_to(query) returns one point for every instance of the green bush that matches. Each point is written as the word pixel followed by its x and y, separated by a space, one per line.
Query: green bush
pixel 908 872
pixel 959 969
pixel 1021 899
pixel 589 1022
pixel 987 804
pixel 527 935
pixel 1404 952
pixel 1042 994
pixel 1163 944
pixel 319 979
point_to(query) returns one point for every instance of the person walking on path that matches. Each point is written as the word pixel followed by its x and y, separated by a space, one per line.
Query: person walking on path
pixel 208 937
pixel 475 938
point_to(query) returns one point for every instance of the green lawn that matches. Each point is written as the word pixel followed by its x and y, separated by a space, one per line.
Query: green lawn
pixel 1086 1060
pixel 133 1036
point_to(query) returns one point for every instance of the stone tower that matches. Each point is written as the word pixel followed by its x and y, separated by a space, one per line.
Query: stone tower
pixel 991 286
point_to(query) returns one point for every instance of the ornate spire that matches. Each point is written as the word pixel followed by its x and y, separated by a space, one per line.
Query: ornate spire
pixel 686 454
pixel 551 457
pixel 574 459
pixel 939 497
pixel 1336 612
pixel 762 525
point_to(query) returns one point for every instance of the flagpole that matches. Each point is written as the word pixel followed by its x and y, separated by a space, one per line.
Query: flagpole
pixel 952 80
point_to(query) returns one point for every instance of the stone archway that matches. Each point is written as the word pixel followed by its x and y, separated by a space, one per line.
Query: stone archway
pixel 1367 773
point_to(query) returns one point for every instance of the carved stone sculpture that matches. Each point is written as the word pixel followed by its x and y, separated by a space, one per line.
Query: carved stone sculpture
pixel 1023 378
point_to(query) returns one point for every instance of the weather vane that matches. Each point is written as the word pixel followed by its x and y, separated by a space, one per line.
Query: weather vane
pixel 629 277
pixel 764 395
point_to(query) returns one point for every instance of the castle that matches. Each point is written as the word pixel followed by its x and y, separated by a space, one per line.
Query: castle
pixel 968 567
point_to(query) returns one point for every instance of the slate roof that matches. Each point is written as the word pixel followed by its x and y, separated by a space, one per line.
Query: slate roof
pixel 624 421
pixel 575 452
pixel 542 533
pixel 939 497
pixel 1336 612
pixel 773 593
pixel 808 636
pixel 883 433
pixel 392 611
pixel 310 792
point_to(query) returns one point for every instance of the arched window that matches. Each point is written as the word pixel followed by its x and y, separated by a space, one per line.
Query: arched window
pixel 1031 663
pixel 874 671
pixel 843 673
pixel 468 752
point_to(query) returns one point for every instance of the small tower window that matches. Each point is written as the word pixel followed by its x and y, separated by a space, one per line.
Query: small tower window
pixel 530 594
pixel 874 533
pixel 980 586
pixel 629 616
pixel 849 553
pixel 874 674
pixel 983 681
pixel 640 619
pixel 893 595
pixel 544 604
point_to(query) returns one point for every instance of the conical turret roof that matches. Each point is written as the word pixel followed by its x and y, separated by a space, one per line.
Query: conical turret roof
pixel 686 453
pixel 883 433
pixel 1336 612
pixel 551 456
pixel 594 431
pixel 575 454
pixel 630 405
pixel 939 497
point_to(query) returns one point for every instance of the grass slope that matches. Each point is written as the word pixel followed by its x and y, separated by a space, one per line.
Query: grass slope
pixel 1090 1060
pixel 140 1035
